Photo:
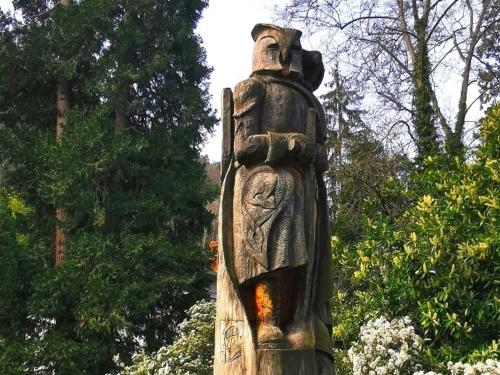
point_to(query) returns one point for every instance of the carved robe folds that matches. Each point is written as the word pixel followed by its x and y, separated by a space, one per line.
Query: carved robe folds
pixel 268 206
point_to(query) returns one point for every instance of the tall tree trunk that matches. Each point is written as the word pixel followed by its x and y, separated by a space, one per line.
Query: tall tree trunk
pixel 122 103
pixel 63 106
pixel 454 141
pixel 425 129
pixel 112 221
pixel 122 100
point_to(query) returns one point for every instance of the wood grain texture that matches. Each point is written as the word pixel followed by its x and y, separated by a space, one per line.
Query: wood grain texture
pixel 272 284
pixel 286 362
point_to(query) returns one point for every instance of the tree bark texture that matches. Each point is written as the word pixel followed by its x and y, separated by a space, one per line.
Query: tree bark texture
pixel 63 106
pixel 424 114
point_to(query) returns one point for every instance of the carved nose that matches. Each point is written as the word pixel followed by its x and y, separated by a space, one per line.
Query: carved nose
pixel 286 69
pixel 286 61
pixel 285 54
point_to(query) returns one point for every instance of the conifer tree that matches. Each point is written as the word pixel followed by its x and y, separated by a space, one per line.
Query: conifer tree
pixel 125 170
pixel 359 164
pixel 63 107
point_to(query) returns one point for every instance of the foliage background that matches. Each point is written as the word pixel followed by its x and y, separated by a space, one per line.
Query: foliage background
pixel 127 173
pixel 415 236
pixel 437 263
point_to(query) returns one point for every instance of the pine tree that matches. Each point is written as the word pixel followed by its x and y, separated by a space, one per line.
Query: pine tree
pixel 126 171
pixel 359 164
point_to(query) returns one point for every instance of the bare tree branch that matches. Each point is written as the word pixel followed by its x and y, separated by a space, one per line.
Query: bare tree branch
pixel 462 103
pixel 427 9
pixel 486 29
pixel 404 67
pixel 436 65
pixel 341 27
pixel 408 127
pixel 474 101
pixel 457 47
pixel 440 19
pixel 435 4
pixel 484 63
pixel 437 110
pixel 401 65
pixel 471 17
pixel 404 28
pixel 397 103
pixel 414 9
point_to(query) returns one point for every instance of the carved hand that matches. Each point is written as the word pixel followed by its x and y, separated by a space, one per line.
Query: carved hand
pixel 300 145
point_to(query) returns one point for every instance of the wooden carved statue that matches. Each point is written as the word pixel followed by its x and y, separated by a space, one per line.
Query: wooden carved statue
pixel 274 278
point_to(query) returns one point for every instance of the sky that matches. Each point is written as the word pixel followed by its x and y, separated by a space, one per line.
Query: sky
pixel 225 29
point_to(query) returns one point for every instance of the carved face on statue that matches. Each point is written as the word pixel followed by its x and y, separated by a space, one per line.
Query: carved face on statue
pixel 278 51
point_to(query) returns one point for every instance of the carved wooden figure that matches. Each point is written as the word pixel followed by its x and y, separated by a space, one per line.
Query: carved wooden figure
pixel 274 278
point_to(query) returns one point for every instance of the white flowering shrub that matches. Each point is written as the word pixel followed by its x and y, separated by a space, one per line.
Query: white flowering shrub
pixel 391 347
pixel 190 354
pixel 489 367
pixel 385 347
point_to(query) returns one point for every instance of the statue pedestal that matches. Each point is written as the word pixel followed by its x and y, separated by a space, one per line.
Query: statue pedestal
pixel 286 362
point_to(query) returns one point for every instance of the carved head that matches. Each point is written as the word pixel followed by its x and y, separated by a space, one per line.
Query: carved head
pixel 278 51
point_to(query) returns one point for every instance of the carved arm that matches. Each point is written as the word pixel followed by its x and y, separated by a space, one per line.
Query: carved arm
pixel 251 146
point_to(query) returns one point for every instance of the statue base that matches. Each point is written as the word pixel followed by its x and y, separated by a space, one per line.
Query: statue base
pixel 286 362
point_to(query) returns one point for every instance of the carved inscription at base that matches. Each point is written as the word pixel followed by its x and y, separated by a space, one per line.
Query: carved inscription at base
pixel 231 340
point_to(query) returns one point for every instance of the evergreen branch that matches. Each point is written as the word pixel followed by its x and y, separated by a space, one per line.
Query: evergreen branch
pixel 43 13
pixel 32 18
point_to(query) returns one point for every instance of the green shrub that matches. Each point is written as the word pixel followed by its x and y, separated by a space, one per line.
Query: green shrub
pixel 436 263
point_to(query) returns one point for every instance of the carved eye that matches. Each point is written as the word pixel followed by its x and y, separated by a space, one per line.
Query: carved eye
pixel 273 46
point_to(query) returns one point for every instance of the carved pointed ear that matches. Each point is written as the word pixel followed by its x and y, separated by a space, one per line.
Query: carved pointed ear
pixel 314 70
